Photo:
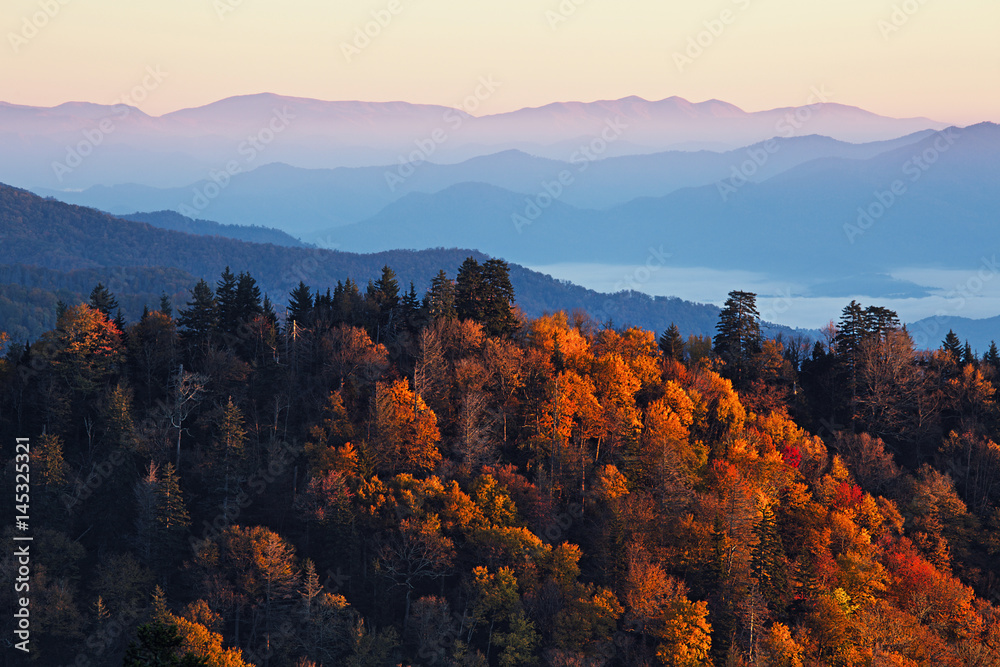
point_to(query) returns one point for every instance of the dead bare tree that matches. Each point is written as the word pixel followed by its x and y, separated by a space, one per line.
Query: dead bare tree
pixel 185 389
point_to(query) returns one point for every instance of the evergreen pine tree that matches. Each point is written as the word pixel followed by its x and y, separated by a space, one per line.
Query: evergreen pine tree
pixel 248 299
pixel 739 339
pixel 968 356
pixel 161 516
pixel 410 309
pixel 847 345
pixel 225 297
pixel 879 321
pixel 410 302
pixel 440 298
pixel 160 644
pixel 230 448
pixel 200 320
pixel 721 596
pixel 346 306
pixel 172 514
pixel 166 307
pixel 386 291
pixel 103 300
pixel 328 308
pixel 953 346
pixel 992 356
pixel 300 304
pixel 767 562
pixel 267 310
pixel 468 289
pixel 671 343
pixel 497 301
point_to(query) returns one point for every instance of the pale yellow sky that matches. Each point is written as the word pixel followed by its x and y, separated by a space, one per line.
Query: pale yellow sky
pixel 924 58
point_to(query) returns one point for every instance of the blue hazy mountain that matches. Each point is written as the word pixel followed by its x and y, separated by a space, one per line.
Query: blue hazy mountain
pixel 930 203
pixel 304 201
pixel 180 223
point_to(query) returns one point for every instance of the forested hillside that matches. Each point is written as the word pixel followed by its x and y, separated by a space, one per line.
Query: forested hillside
pixel 65 250
pixel 179 223
pixel 390 477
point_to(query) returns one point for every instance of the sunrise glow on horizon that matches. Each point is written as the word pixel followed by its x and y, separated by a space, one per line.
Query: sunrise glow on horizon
pixel 898 59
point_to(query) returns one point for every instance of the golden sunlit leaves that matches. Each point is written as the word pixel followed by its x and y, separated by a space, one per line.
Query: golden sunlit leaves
pixel 553 334
pixel 406 433
pixel 86 347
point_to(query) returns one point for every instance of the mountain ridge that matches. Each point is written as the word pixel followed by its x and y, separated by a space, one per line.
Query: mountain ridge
pixel 312 133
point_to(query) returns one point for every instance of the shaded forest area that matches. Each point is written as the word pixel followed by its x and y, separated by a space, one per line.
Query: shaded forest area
pixel 387 478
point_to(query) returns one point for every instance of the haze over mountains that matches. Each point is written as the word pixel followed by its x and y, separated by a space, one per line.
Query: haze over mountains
pixel 182 147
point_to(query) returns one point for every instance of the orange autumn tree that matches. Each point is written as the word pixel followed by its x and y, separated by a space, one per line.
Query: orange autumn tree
pixel 86 348
pixel 665 452
pixel 197 627
pixel 406 436
pixel 568 421
pixel 659 608
pixel 616 386
pixel 554 335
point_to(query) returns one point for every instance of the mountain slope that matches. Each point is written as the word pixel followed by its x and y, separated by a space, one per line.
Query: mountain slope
pixel 180 223
pixel 49 245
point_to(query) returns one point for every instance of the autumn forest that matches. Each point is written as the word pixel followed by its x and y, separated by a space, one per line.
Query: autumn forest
pixel 376 476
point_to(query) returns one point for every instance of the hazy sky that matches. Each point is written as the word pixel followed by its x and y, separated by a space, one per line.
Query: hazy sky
pixel 896 57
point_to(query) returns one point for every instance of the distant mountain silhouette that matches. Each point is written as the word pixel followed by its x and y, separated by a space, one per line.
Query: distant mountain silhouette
pixel 79 145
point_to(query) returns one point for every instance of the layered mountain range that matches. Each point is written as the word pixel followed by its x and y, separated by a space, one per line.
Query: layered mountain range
pixel 78 145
